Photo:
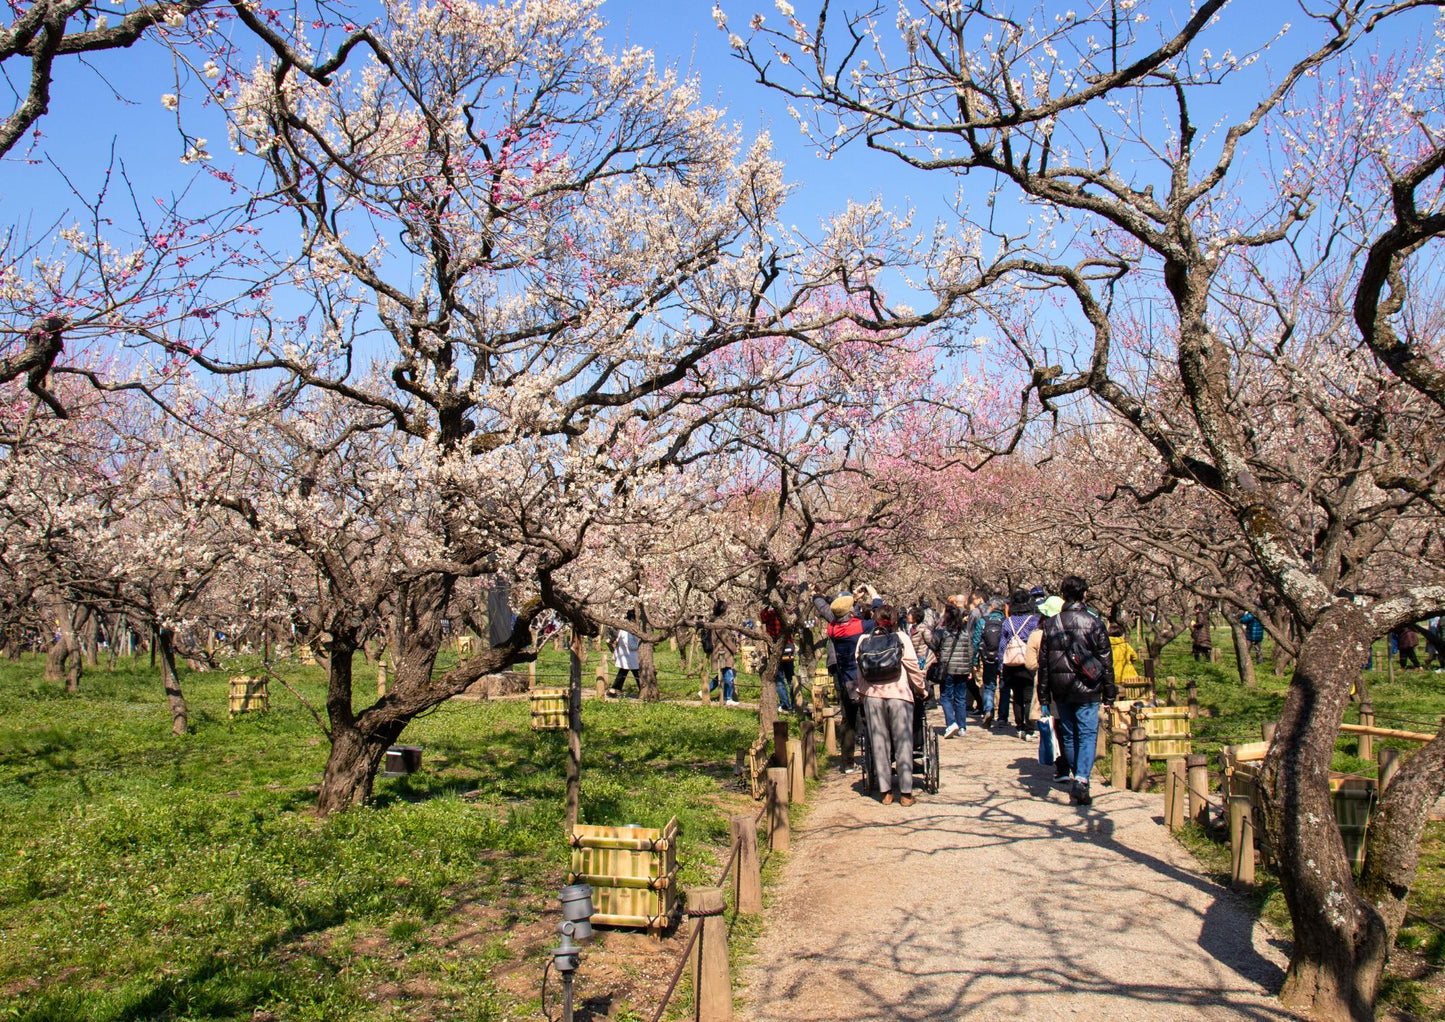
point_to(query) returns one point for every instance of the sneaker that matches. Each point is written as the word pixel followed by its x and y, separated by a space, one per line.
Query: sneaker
pixel 1066 779
pixel 850 770
pixel 988 720
pixel 731 702
pixel 906 801
pixel 950 731
pixel 1079 795
pixel 887 798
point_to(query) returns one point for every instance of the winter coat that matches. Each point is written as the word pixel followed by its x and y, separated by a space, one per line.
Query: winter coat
pixel 1199 631
pixel 1058 682
pixel 624 652
pixel 1253 627
pixel 954 650
pixel 724 644
pixel 1124 660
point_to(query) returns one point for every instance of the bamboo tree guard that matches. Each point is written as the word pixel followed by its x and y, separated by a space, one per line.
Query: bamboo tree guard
pixel 549 709
pixel 632 870
pixel 248 694
pixel 1167 728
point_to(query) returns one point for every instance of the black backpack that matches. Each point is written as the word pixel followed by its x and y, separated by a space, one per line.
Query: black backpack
pixel 880 657
pixel 705 636
pixel 992 632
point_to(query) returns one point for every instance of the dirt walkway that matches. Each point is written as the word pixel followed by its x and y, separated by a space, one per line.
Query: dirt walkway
pixel 996 898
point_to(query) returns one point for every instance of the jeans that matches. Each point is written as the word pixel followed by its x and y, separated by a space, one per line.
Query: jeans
pixel 890 738
pixel 1078 725
pixel 730 690
pixel 954 700
pixel 990 683
pixel 784 683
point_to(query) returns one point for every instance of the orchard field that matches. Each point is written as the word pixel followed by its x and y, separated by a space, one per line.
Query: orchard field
pixel 154 877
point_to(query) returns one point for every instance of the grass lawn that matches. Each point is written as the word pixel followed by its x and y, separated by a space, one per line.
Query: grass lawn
pixel 1414 701
pixel 156 877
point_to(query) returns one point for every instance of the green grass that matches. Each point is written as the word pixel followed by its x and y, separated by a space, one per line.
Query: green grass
pixel 187 878
pixel 1414 701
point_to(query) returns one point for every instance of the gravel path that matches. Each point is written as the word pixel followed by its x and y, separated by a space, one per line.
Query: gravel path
pixel 996 898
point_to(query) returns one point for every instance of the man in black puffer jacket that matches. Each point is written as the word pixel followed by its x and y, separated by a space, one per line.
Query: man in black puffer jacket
pixel 1076 671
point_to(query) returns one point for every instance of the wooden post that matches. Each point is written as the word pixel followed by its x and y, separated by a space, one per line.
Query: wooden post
pixel 830 735
pixel 778 835
pixel 1171 697
pixel 810 748
pixel 1367 741
pixel 531 674
pixel 1138 758
pixel 1101 743
pixel 711 982
pixel 1197 764
pixel 1191 694
pixel 1267 729
pixel 1389 660
pixel 1119 758
pixel 1241 840
pixel 380 678
pixel 601 681
pixel 797 779
pixel 748 889
pixel 780 743
pixel 1389 764
pixel 1175 790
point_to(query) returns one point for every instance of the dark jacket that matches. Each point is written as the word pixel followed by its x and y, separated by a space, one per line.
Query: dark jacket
pixel 1057 681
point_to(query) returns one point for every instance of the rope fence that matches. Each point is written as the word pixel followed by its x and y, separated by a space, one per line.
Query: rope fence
pixel 708 908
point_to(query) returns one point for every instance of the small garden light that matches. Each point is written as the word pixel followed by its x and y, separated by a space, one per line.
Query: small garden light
pixel 576 925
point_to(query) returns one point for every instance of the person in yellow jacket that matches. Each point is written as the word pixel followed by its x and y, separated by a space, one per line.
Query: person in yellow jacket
pixel 1125 656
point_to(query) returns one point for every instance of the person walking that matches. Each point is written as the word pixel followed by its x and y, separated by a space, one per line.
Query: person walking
pixel 954 651
pixel 1125 655
pixel 1407 639
pixel 724 654
pixel 1076 671
pixel 1253 634
pixel 844 628
pixel 624 657
pixel 1201 643
pixel 986 634
pixel 1049 606
pixel 1016 678
pixel 888 675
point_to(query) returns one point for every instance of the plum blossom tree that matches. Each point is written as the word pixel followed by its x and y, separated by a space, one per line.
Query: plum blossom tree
pixel 1287 245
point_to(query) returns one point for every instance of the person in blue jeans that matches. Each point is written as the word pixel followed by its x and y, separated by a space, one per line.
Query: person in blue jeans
pixel 1076 671
pixel 724 654
pixel 953 648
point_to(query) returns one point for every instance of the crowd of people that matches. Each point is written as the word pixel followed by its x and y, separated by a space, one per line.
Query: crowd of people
pixel 1005 661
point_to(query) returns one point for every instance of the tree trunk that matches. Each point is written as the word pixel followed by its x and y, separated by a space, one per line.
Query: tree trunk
pixel 1241 653
pixel 89 629
pixel 768 696
pixel 356 750
pixel 1392 855
pixel 578 652
pixel 647 673
pixel 351 767
pixel 1340 940
pixel 171 680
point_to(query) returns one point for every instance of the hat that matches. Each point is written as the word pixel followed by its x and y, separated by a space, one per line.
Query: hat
pixel 842 605
pixel 1051 606
pixel 1037 592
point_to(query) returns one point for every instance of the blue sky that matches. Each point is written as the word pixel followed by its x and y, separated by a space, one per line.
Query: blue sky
pixel 114 105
